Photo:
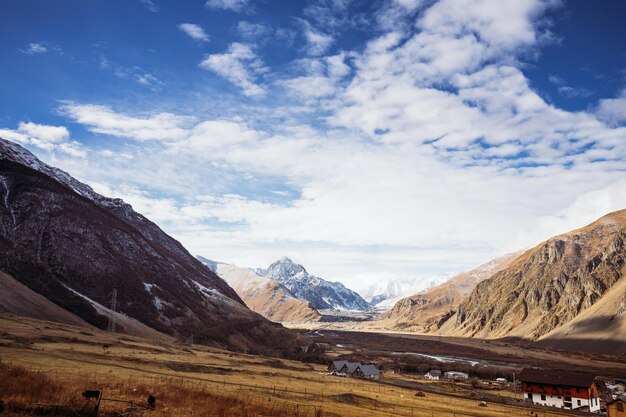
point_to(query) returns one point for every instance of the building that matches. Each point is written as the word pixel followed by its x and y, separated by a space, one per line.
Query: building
pixel 367 372
pixel 456 376
pixel 349 368
pixel 501 381
pixel 433 374
pixel 335 366
pixel 616 407
pixel 568 390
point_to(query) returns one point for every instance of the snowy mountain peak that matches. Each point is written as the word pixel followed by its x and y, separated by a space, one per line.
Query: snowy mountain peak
pixel 286 268
pixel 320 293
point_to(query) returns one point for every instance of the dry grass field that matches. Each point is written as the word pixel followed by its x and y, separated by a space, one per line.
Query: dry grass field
pixel 44 363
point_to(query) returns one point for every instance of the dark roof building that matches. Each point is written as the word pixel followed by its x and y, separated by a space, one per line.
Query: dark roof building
pixel 563 389
pixel 336 366
pixel 367 371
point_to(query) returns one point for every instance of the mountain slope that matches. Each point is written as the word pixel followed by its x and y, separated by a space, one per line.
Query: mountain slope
pixel 264 295
pixel 552 284
pixel 425 309
pixel 320 293
pixel 73 246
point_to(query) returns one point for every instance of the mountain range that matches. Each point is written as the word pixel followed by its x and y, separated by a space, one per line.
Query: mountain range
pixel 320 293
pixel 65 247
pixel 264 295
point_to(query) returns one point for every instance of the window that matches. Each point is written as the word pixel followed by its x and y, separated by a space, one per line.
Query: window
pixel 578 401
pixel 543 397
pixel 530 396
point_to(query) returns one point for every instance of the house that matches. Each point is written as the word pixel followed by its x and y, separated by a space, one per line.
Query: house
pixel 367 372
pixel 456 376
pixel 568 390
pixel 349 368
pixel 616 407
pixel 501 381
pixel 433 374
pixel 335 366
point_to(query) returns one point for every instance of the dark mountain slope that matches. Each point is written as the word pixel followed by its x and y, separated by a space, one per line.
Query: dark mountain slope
pixel 66 242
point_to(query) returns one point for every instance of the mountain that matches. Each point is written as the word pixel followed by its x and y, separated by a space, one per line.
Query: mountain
pixel 320 293
pixel 423 310
pixel 264 295
pixel 73 246
pixel 568 287
pixel 384 294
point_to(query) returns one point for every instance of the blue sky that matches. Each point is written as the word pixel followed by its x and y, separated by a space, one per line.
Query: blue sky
pixel 365 139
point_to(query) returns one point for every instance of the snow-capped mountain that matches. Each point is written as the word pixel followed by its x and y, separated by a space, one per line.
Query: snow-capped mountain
pixel 264 295
pixel 384 294
pixel 320 293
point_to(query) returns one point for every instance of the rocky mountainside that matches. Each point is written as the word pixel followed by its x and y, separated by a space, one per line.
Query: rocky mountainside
pixel 570 283
pixel 423 311
pixel 73 246
pixel 384 294
pixel 264 295
pixel 320 293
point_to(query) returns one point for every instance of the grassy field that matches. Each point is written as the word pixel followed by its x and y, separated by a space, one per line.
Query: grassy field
pixel 47 363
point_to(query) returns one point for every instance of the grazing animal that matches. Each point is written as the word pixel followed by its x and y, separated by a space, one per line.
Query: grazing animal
pixel 105 347
pixel 152 401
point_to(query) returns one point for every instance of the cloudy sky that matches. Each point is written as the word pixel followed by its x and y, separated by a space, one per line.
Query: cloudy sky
pixel 365 139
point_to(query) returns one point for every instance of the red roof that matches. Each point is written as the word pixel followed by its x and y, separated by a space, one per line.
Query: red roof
pixel 551 377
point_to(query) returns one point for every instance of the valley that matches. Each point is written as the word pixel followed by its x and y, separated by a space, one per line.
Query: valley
pixel 196 380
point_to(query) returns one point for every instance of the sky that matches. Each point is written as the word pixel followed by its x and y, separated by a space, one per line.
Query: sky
pixel 367 140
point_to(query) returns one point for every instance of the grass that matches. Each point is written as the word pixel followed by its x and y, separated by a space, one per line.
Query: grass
pixel 46 363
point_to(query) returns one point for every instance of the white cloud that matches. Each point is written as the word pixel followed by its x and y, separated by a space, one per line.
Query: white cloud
pixel 46 137
pixel 194 31
pixel 317 42
pixel 34 48
pixel 239 65
pixel 232 5
pixel 253 31
pixel 103 120
pixel 613 110
pixel 150 5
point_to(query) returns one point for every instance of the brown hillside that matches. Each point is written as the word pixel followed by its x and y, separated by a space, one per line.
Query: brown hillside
pixel 266 296
pixel 552 284
pixel 424 310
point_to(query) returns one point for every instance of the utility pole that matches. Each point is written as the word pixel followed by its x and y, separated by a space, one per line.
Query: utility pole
pixel 111 327
pixel 514 386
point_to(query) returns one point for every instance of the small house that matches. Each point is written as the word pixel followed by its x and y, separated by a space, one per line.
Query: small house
pixel 349 368
pixel 568 390
pixel 616 407
pixel 501 381
pixel 367 372
pixel 433 374
pixel 335 366
pixel 456 376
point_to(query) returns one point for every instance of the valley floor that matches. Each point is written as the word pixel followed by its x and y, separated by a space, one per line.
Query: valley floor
pixel 194 380
pixel 511 355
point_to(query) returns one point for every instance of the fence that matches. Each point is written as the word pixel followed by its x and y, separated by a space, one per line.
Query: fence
pixel 378 399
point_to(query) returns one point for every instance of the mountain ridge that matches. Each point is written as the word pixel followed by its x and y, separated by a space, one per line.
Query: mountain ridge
pixel 71 245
